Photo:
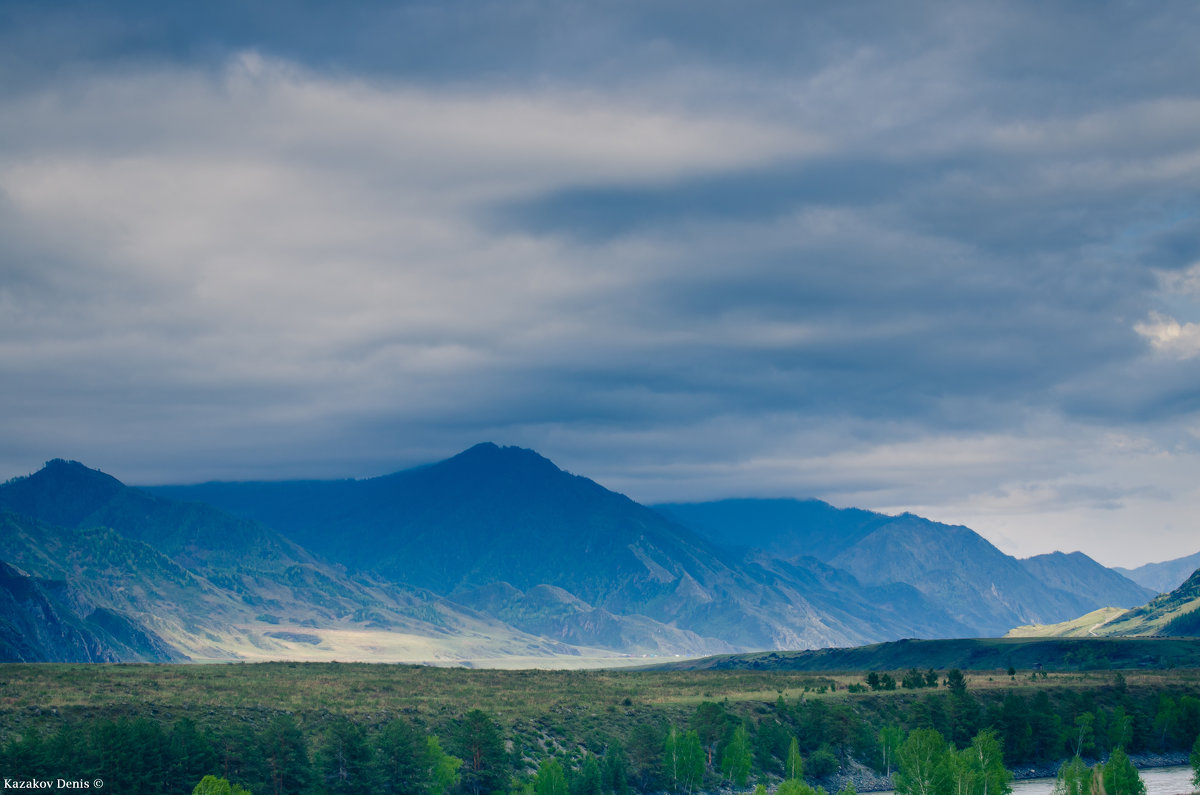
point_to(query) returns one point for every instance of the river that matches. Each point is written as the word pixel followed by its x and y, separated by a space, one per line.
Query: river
pixel 1175 780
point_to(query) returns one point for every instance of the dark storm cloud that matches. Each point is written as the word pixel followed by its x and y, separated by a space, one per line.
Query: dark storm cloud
pixel 940 256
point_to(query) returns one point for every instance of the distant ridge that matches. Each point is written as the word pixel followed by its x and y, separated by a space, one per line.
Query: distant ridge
pixel 965 577
pixel 1165 576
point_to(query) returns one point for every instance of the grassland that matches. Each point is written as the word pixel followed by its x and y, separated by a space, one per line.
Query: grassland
pixel 1085 626
pixel 47 695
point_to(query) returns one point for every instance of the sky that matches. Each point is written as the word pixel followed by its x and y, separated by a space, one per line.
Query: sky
pixel 935 257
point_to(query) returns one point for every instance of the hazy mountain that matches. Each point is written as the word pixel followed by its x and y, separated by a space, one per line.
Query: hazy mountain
pixel 960 571
pixel 1165 576
pixel 216 586
pixel 494 515
pixel 782 528
pixel 1076 573
pixel 496 551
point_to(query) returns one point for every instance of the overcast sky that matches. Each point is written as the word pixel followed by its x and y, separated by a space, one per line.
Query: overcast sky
pixel 934 257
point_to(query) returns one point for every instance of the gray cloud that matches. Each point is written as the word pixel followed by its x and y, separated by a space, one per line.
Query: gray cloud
pixel 931 258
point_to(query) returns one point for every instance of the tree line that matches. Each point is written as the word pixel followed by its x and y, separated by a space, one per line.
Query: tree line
pixel 966 736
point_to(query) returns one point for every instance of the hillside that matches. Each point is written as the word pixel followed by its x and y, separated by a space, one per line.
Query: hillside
pixel 971 654
pixel 1174 614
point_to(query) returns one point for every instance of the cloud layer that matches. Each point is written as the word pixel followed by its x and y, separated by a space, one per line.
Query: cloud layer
pixel 943 261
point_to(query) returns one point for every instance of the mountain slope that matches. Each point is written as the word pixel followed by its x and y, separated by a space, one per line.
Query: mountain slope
pixel 782 528
pixel 1176 613
pixel 1078 574
pixel 41 621
pixel 494 515
pixel 1165 576
pixel 942 562
pixel 216 586
pixel 960 571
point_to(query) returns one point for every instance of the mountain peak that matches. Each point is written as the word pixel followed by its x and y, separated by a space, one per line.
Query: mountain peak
pixel 488 461
pixel 61 492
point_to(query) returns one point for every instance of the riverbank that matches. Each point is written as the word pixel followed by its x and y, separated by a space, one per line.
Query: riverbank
pixel 865 779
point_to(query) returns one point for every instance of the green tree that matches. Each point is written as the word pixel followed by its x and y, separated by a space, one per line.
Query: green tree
pixel 922 764
pixel 401 759
pixel 486 767
pixel 673 758
pixel 444 769
pixel 587 780
pixel 646 743
pixel 550 778
pixel 614 770
pixel 890 738
pixel 711 723
pixel 285 755
pixel 822 762
pixel 735 762
pixel 1195 759
pixel 344 760
pixel 1119 775
pixel 191 753
pixel 211 785
pixel 1084 734
pixel 956 681
pixel 1073 778
pixel 692 757
pixel 985 764
pixel 794 786
pixel 793 769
